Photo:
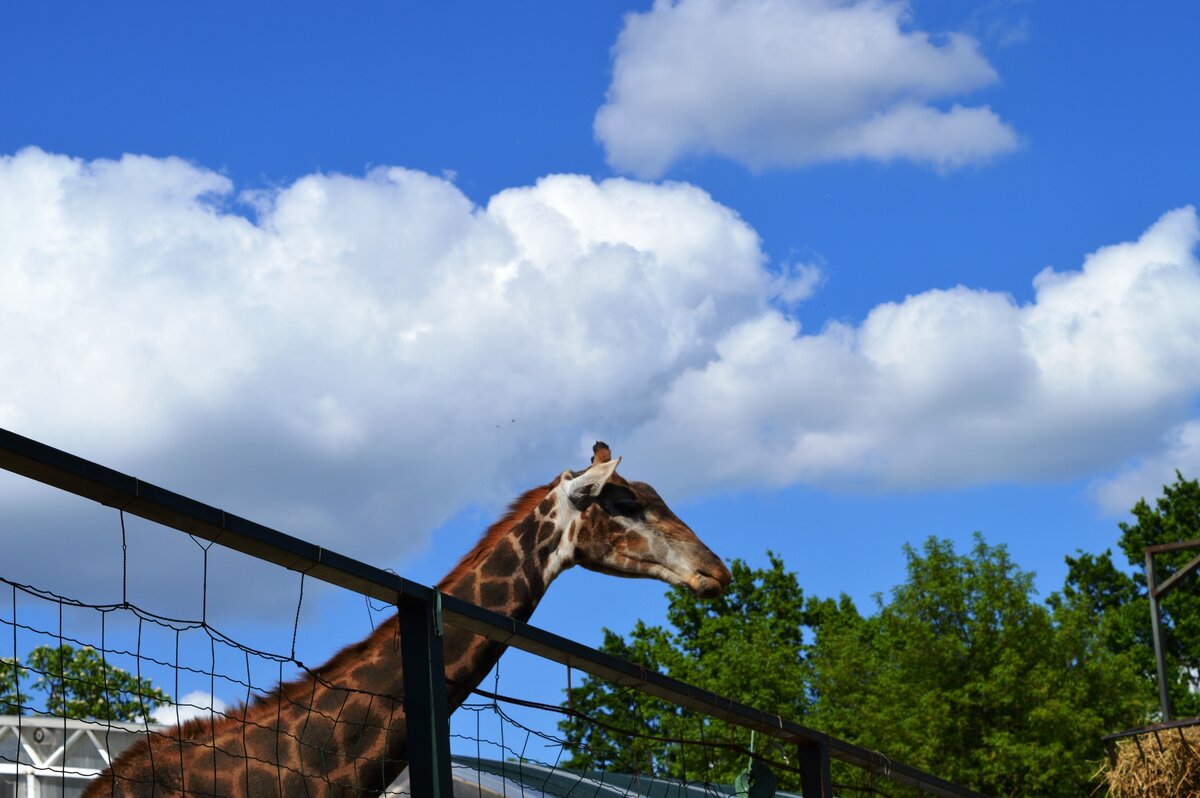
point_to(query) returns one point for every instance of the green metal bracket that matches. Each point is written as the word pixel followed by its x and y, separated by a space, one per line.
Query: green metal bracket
pixel 438 629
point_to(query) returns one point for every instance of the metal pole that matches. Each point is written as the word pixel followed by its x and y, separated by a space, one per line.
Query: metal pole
pixel 815 781
pixel 426 716
pixel 1164 694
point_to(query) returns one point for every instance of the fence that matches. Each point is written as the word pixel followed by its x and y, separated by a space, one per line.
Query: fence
pixel 1156 591
pixel 422 613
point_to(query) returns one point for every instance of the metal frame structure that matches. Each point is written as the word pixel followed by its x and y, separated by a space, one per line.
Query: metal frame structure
pixel 423 610
pixel 1156 592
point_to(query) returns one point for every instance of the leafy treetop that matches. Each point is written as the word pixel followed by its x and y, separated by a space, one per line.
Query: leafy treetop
pixel 76 683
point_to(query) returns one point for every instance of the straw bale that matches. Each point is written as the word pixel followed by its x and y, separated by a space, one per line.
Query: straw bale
pixel 1162 764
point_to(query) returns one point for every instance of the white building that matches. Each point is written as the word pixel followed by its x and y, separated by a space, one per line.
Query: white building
pixel 48 757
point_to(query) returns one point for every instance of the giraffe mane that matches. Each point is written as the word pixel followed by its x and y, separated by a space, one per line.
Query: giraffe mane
pixel 521 507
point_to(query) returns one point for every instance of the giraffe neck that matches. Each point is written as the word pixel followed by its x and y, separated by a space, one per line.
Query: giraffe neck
pixel 508 572
pixel 344 732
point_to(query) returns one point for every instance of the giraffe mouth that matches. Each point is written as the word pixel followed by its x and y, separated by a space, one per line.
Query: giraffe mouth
pixel 710 582
pixel 706 586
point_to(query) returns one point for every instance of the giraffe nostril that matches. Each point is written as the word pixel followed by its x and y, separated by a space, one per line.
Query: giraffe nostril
pixel 716 570
pixel 711 579
pixel 724 577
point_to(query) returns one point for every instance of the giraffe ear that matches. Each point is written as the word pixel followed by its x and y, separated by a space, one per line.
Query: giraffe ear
pixel 591 481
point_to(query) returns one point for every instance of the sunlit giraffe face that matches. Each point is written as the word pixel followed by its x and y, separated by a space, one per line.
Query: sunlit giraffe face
pixel 625 529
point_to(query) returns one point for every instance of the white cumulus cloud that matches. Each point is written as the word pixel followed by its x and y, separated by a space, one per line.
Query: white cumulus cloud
pixel 1145 478
pixel 196 704
pixel 953 387
pixel 352 359
pixel 788 82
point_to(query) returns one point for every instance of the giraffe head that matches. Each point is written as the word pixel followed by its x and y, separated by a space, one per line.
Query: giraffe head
pixel 624 528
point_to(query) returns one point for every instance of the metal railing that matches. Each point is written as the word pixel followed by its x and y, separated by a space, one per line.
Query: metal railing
pixel 422 612
pixel 1156 593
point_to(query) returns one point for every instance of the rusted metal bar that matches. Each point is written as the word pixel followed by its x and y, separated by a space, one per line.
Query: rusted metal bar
pixel 1178 545
pixel 1174 724
pixel 1174 578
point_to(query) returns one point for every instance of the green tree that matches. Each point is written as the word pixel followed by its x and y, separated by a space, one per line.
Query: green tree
pixel 76 683
pixel 1095 586
pixel 962 671
pixel 965 674
pixel 1174 517
pixel 1117 600
pixel 12 675
pixel 748 643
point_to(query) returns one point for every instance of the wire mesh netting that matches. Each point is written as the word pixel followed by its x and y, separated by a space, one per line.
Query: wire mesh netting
pixel 659 749
pixel 83 683
pixel 110 690
pixel 82 720
pixel 91 680
pixel 141 689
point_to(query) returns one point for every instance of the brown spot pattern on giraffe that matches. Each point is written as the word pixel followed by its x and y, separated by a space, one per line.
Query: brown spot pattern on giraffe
pixel 504 560
pixel 493 593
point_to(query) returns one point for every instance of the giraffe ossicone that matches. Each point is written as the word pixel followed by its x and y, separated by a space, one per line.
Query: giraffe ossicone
pixel 340 729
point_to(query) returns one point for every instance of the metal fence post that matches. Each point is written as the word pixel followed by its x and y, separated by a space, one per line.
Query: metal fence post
pixel 426 715
pixel 1164 694
pixel 815 781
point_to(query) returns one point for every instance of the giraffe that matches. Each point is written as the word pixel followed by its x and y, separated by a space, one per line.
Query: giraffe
pixel 339 730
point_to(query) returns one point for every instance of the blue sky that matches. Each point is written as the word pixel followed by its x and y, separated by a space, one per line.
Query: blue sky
pixel 364 274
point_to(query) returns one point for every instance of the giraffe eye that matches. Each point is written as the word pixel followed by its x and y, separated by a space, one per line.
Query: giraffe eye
pixel 618 500
pixel 627 507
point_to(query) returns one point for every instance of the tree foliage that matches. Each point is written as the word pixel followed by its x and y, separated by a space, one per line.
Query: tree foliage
pixel 12 674
pixel 76 683
pixel 1117 601
pixel 748 643
pixel 964 673
pixel 1174 517
pixel 961 671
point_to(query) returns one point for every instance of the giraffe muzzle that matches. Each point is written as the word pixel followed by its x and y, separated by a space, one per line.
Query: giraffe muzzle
pixel 711 581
